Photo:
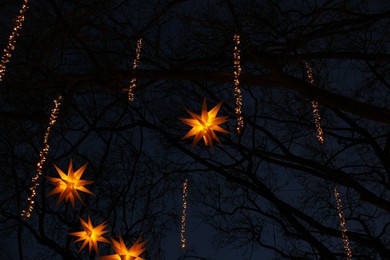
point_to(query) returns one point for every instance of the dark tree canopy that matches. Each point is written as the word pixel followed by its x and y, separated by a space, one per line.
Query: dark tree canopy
pixel 269 189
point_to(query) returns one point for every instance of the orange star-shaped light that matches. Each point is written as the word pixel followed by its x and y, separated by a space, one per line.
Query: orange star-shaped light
pixel 91 235
pixel 124 253
pixel 205 124
pixel 68 184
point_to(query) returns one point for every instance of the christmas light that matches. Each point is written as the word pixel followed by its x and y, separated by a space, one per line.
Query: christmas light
pixel 183 216
pixel 12 39
pixel 237 90
pixel 342 223
pixel 316 114
pixel 135 66
pixel 320 138
pixel 42 155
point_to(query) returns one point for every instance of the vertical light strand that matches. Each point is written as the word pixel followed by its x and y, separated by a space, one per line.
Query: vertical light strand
pixel 12 39
pixel 320 138
pixel 237 90
pixel 342 223
pixel 42 155
pixel 135 66
pixel 184 215
pixel 316 114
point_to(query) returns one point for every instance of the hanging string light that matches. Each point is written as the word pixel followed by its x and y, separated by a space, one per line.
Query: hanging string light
pixel 237 90
pixel 135 66
pixel 42 155
pixel 12 39
pixel 183 216
pixel 342 223
pixel 316 114
pixel 320 138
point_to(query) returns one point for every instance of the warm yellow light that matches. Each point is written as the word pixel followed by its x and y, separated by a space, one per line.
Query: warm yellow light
pixel 42 155
pixel 90 235
pixel 12 39
pixel 344 230
pixel 237 90
pixel 124 253
pixel 320 138
pixel 69 184
pixel 204 125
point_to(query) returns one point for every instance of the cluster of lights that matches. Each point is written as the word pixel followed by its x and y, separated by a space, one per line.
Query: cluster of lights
pixel 237 90
pixel 342 224
pixel 42 155
pixel 12 39
pixel 316 114
pixel 135 66
pixel 184 214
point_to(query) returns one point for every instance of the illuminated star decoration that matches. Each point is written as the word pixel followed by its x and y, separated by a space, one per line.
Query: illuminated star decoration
pixel 124 253
pixel 205 124
pixel 91 235
pixel 69 184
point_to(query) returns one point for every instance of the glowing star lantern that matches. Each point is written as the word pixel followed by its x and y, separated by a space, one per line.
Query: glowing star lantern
pixel 205 124
pixel 91 235
pixel 69 184
pixel 124 253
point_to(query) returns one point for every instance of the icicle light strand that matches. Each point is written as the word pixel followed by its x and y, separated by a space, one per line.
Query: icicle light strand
pixel 316 114
pixel 12 39
pixel 184 215
pixel 342 223
pixel 237 90
pixel 317 120
pixel 135 66
pixel 42 155
pixel 320 138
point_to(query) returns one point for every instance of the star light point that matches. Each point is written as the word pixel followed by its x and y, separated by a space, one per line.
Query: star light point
pixel 69 184
pixel 91 235
pixel 204 125
pixel 124 253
